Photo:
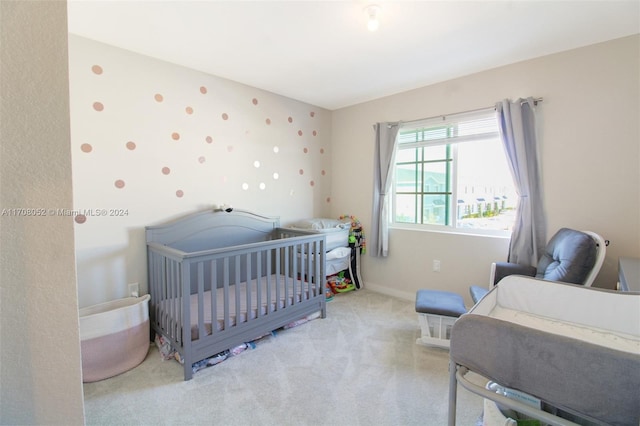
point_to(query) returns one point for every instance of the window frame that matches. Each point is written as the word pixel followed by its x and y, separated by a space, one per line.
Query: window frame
pixel 451 142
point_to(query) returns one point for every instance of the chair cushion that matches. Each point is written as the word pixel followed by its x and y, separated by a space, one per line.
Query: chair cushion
pixel 568 257
pixel 477 293
pixel 437 302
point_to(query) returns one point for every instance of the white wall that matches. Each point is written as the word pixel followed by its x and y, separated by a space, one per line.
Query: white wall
pixel 127 161
pixel 590 147
pixel 39 338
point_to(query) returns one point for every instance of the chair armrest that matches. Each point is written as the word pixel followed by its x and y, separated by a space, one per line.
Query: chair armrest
pixel 503 269
pixel 499 270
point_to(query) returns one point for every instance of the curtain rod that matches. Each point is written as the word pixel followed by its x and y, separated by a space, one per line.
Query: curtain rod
pixel 535 102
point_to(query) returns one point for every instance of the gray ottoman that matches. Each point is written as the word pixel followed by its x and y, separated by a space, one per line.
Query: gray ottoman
pixel 437 311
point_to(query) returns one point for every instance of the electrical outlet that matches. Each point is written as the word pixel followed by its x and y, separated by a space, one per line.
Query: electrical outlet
pixel 134 290
pixel 436 266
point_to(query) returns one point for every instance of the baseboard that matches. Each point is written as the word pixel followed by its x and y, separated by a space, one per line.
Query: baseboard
pixel 390 292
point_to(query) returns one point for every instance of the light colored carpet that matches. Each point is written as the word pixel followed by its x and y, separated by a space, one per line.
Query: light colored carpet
pixel 358 366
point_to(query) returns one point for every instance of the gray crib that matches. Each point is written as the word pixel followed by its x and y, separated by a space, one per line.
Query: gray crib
pixel 218 279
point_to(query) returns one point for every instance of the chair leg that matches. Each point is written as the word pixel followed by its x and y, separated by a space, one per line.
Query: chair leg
pixel 453 387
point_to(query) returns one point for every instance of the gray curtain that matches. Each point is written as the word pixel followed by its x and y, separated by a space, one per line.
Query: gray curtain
pixel 517 125
pixel 384 155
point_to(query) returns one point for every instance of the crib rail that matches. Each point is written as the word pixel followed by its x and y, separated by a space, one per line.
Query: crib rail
pixel 208 301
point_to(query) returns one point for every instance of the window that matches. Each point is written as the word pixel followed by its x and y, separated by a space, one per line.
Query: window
pixel 452 172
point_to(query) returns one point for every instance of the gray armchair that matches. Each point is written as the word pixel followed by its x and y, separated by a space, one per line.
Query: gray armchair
pixel 570 256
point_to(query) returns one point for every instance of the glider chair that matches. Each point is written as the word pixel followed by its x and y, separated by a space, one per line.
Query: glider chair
pixel 570 256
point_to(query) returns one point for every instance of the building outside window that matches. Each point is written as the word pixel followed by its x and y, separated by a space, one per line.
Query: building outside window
pixel 451 173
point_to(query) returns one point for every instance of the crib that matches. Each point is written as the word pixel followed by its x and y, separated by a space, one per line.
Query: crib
pixel 566 354
pixel 218 279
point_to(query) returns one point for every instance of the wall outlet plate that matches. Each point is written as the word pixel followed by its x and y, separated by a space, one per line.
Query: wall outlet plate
pixel 134 290
pixel 436 266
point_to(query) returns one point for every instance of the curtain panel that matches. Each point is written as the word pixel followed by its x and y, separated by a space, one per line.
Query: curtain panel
pixel 517 124
pixel 384 159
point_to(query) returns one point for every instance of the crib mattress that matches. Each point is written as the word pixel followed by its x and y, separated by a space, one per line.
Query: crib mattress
pixel 575 348
pixel 265 295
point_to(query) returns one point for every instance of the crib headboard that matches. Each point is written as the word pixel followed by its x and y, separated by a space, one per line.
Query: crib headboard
pixel 210 229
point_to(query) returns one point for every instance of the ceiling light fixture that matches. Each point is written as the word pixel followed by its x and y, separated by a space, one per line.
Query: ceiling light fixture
pixel 372 12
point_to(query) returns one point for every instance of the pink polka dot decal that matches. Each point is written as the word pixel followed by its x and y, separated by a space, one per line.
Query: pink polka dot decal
pixel 290 120
pixel 323 173
pixel 85 147
pixel 189 110
pixel 201 160
pixel 321 150
pixel 175 136
pixel 97 69
pixel 203 90
pixel 98 106
pixel 230 148
pixel 254 101
pixel 131 145
pixel 119 184
pixel 209 139
pixel 312 183
pixel 301 171
pixel 315 133
pixel 80 218
pixel 225 116
pixel 299 132
pixel 268 121
pixel 305 150
pixel 312 114
pixel 158 97
pixel 166 170
pixel 328 199
pixel 179 193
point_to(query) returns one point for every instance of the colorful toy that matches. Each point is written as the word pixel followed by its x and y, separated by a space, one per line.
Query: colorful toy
pixel 357 243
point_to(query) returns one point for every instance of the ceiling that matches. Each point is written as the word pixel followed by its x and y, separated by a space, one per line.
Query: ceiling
pixel 321 52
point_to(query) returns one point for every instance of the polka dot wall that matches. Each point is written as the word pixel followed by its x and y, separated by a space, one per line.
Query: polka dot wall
pixel 151 141
pixel 180 139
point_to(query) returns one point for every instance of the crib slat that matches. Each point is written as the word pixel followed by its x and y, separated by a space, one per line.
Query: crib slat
pixel 267 298
pixel 168 314
pixel 177 286
pixel 175 303
pixel 171 296
pixel 306 265
pixel 248 285
pixel 287 271
pixel 259 275
pixel 154 278
pixel 200 279
pixel 320 269
pixel 236 286
pixel 297 273
pixel 311 276
pixel 185 328
pixel 214 293
pixel 277 265
pixel 225 283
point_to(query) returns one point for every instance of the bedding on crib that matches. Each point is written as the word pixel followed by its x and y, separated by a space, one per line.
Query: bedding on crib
pixel 253 299
pixel 219 279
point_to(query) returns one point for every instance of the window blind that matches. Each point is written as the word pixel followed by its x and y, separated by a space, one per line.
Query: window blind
pixel 455 128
